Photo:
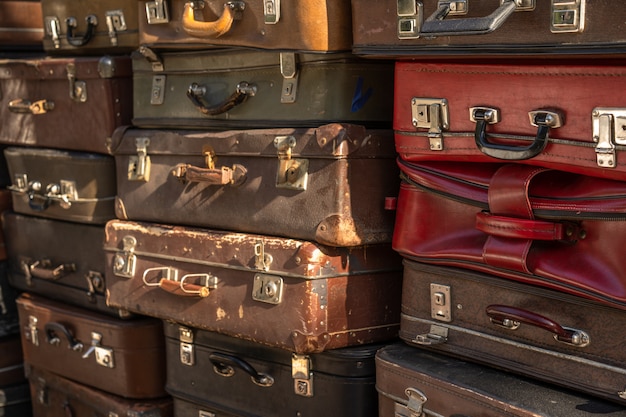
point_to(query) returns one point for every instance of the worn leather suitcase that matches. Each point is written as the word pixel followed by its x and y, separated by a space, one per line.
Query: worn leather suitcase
pixel 11 361
pixel 298 25
pixel 72 103
pixel 21 25
pixel 281 292
pixel 63 185
pixel 15 400
pixel 55 396
pixel 121 357
pixel 245 88
pixel 90 27
pixel 65 261
pixel 326 184
pixel 543 227
pixel 488 28
pixel 521 328
pixel 566 115
pixel 208 372
pixel 415 382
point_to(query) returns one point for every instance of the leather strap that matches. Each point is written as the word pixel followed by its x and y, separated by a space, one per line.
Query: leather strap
pixel 510 227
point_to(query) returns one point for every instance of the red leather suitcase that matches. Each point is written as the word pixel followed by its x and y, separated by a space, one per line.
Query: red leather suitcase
pixel 544 227
pixel 567 115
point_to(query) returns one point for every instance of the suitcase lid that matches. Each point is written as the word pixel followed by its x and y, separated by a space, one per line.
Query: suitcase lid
pixel 57 68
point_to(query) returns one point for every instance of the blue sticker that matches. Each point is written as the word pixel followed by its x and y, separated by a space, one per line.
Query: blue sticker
pixel 359 99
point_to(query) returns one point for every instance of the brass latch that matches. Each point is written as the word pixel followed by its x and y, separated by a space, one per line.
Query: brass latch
pixel 609 130
pixel 185 335
pixel 125 260
pixel 271 11
pixel 302 375
pixel 289 71
pixel 432 114
pixel 156 12
pixel 139 165
pixel 292 172
pixel 115 23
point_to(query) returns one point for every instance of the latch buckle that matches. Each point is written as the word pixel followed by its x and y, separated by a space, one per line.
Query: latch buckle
pixel 267 289
pixel 262 260
pixel 104 356
pixel 416 401
pixel 155 61
pixel 30 332
pixel 289 71
pixel 185 336
pixel 125 260
pixel 139 165
pixel 440 302
pixel 567 16
pixel 437 335
pixel 432 114
pixel 78 89
pixel 156 12
pixel 302 375
pixel 115 23
pixel 271 11
pixel 53 29
pixel 292 173
pixel 609 130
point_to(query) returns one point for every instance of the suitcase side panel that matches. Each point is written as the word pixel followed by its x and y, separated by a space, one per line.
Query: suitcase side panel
pixel 21 24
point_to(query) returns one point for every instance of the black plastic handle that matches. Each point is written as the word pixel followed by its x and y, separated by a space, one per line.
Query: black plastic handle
pixel 76 40
pixel 53 329
pixel 224 365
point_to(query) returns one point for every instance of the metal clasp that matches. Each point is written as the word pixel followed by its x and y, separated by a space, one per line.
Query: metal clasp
pixel 125 260
pixel 289 71
pixel 104 356
pixel 567 16
pixel 440 302
pixel 608 130
pixel 30 332
pixel 53 29
pixel 302 375
pixel 416 401
pixel 292 173
pixel 436 336
pixel 156 12
pixel 267 289
pixel 139 165
pixel 185 336
pixel 271 11
pixel 115 23
pixel 78 89
pixel 155 61
pixel 432 114
pixel 262 260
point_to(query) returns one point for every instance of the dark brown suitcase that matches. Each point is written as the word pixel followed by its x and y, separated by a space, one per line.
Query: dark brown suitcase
pixel 90 27
pixel 72 103
pixel 212 373
pixel 6 203
pixel 327 184
pixel 11 361
pixel 415 382
pixel 525 329
pixel 63 185
pixel 488 28
pixel 15 400
pixel 21 25
pixel 281 292
pixel 55 396
pixel 64 262
pixel 122 357
pixel 8 310
pixel 297 25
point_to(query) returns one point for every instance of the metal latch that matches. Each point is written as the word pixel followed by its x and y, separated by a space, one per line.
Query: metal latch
pixel 53 29
pixel 31 333
pixel 271 11
pixel 302 375
pixel 156 12
pixel 125 260
pixel 95 285
pixel 609 129
pixel 432 114
pixel 185 335
pixel 292 173
pixel 104 356
pixel 440 302
pixel 416 401
pixel 139 165
pixel 267 289
pixel 78 89
pixel 289 71
pixel 64 192
pixel 155 61
pixel 157 94
pixel 436 336
pixel 567 16
pixel 262 260
pixel 115 23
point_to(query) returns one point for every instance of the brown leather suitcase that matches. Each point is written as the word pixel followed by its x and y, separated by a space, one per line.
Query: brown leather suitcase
pixel 64 262
pixel 415 382
pixel 281 292
pixel 488 28
pixel 21 25
pixel 121 357
pixel 245 88
pixel 208 372
pixel 72 103
pixel 55 396
pixel 90 27
pixel 63 185
pixel 15 400
pixel 11 361
pixel 524 329
pixel 6 203
pixel 326 184
pixel 297 25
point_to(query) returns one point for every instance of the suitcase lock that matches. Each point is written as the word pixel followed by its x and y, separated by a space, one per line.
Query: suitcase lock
pixel 156 12
pixel 292 173
pixel 115 23
pixel 124 261
pixel 185 336
pixel 271 11
pixel 567 16
pixel 609 130
pixel 302 375
pixel 139 165
pixel 432 114
pixel 104 356
pixel 78 89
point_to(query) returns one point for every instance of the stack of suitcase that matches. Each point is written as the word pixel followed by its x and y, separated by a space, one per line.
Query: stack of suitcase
pixel 508 124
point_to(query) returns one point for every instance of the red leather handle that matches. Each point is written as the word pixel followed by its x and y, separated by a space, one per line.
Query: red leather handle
pixel 186 290
pixel 512 227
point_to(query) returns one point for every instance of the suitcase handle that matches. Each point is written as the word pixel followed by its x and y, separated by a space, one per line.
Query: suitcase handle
pixel 511 227
pixel 24 106
pixel 196 92
pixel 544 120
pixel 74 40
pixel 184 289
pixel 511 317
pixel 234 176
pixel 224 365
pixel 232 11
pixel 53 329
pixel 44 270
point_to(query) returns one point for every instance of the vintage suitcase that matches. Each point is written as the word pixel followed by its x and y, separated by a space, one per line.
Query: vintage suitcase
pixel 15 400
pixel 326 184
pixel 281 292
pixel 208 372
pixel 63 185
pixel 11 361
pixel 488 28
pixel 21 25
pixel 244 88
pixel 415 382
pixel 297 25
pixel 90 27
pixel 121 357
pixel 64 103
pixel 567 115
pixel 535 225
pixel 59 260
pixel 55 396
pixel 522 328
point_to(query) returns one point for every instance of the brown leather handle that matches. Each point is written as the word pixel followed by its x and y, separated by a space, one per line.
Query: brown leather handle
pixel 219 176
pixel 183 289
pixel 195 94
pixel 512 227
pixel 232 11
pixel 44 270
pixel 511 317
pixel 21 105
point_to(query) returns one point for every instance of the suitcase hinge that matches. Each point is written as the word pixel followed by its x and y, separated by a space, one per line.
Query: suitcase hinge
pixel 156 12
pixel 432 114
pixel 104 356
pixel 267 289
pixel 609 129
pixel 436 336
pixel 289 71
pixel 567 16
pixel 30 332
pixel 271 10
pixel 53 29
pixel 186 346
pixel 139 165
pixel 115 23
pixel 124 260
pixel 262 260
pixel 292 172
pixel 78 89
pixel 302 375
